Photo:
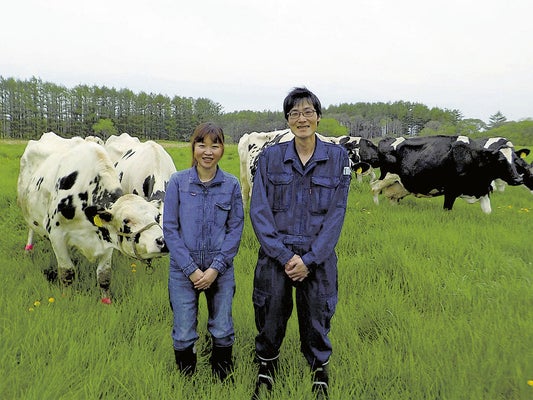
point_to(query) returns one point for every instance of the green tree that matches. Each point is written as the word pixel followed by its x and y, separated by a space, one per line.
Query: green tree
pixel 331 127
pixel 104 128
pixel 497 120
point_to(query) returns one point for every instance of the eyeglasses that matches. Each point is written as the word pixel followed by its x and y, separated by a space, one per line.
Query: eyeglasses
pixel 296 114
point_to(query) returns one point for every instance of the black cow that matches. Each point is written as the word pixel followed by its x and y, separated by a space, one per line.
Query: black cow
pixel 452 166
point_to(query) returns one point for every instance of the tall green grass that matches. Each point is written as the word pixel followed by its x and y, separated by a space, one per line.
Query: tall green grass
pixel 432 305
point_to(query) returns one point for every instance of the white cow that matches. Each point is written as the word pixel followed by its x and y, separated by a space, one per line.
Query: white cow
pixel 363 154
pixel 116 146
pixel 144 168
pixel 70 193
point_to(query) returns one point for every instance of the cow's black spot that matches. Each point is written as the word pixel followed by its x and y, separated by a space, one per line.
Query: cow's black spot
pixel 148 186
pixel 159 195
pixel 120 176
pixel 39 182
pixel 105 234
pixel 128 154
pixel 83 197
pixel 35 223
pixel 66 207
pixel 66 182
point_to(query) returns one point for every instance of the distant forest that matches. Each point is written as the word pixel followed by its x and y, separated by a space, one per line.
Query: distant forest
pixel 30 107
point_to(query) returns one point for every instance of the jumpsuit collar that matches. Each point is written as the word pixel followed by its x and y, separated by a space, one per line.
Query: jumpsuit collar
pixel 320 154
pixel 194 178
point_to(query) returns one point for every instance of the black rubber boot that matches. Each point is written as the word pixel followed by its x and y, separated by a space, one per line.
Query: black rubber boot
pixel 320 382
pixel 221 362
pixel 186 360
pixel 265 376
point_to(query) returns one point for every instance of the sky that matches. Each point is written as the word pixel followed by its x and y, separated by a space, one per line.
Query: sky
pixel 475 56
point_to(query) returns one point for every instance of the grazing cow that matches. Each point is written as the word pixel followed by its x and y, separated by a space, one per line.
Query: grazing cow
pixel 363 153
pixel 69 192
pixel 453 166
pixel 143 168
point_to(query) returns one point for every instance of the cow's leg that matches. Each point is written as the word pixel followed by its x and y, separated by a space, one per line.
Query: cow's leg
pixel 103 275
pixel 29 242
pixel 65 266
pixel 245 188
pixel 449 199
pixel 485 204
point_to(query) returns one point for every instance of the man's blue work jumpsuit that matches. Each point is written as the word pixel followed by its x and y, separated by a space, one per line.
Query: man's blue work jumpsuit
pixel 298 209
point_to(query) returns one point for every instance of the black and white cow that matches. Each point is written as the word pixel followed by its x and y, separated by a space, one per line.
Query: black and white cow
pixel 363 153
pixel 70 193
pixel 452 166
pixel 144 168
pixel 522 166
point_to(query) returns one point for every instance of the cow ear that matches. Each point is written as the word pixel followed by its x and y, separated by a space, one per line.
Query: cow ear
pixel 101 218
pixel 522 153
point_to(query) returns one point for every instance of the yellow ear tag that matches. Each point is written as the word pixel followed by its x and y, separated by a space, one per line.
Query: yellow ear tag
pixel 522 155
pixel 98 221
pixel 359 170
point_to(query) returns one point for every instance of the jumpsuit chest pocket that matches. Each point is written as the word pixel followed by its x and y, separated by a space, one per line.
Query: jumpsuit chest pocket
pixel 322 192
pixel 221 213
pixel 281 195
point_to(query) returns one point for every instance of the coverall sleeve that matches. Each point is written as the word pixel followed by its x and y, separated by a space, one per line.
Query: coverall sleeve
pixel 171 230
pixel 234 227
pixel 262 217
pixel 324 243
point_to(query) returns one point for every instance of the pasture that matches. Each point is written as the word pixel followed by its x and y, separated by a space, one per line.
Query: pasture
pixel 432 305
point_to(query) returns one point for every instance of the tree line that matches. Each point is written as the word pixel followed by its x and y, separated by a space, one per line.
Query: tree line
pixel 30 107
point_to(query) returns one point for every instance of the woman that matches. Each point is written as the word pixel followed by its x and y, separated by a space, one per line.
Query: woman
pixel 203 220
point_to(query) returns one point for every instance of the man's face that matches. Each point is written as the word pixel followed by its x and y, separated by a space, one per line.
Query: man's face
pixel 303 119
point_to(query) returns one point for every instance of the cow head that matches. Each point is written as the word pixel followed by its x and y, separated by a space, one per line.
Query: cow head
pixel 133 224
pixel 523 168
pixel 496 163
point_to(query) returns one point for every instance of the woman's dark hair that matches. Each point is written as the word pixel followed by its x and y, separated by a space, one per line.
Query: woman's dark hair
pixel 206 129
pixel 296 96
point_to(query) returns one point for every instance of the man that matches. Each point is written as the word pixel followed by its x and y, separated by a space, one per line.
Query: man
pixel 297 210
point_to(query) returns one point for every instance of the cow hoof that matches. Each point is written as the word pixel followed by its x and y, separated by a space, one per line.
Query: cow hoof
pixel 51 274
pixel 67 277
pixel 106 300
pixel 28 248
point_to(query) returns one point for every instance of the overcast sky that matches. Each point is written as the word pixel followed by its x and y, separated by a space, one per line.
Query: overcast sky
pixel 472 55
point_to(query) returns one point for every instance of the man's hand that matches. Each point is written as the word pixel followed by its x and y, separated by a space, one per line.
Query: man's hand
pixel 296 269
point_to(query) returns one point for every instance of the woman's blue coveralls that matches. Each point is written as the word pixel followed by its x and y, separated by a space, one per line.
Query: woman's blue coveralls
pixel 298 209
pixel 202 225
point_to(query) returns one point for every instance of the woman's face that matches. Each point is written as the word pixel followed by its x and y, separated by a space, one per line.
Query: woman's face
pixel 301 125
pixel 207 154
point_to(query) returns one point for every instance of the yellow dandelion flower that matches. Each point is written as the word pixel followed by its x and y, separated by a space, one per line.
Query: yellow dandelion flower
pixel 37 303
pixel 51 300
pixel 530 382
pixel 133 265
pixel 30 309
pixel 133 270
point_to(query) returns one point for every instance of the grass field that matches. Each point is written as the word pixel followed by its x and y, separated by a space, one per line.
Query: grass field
pixel 432 305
